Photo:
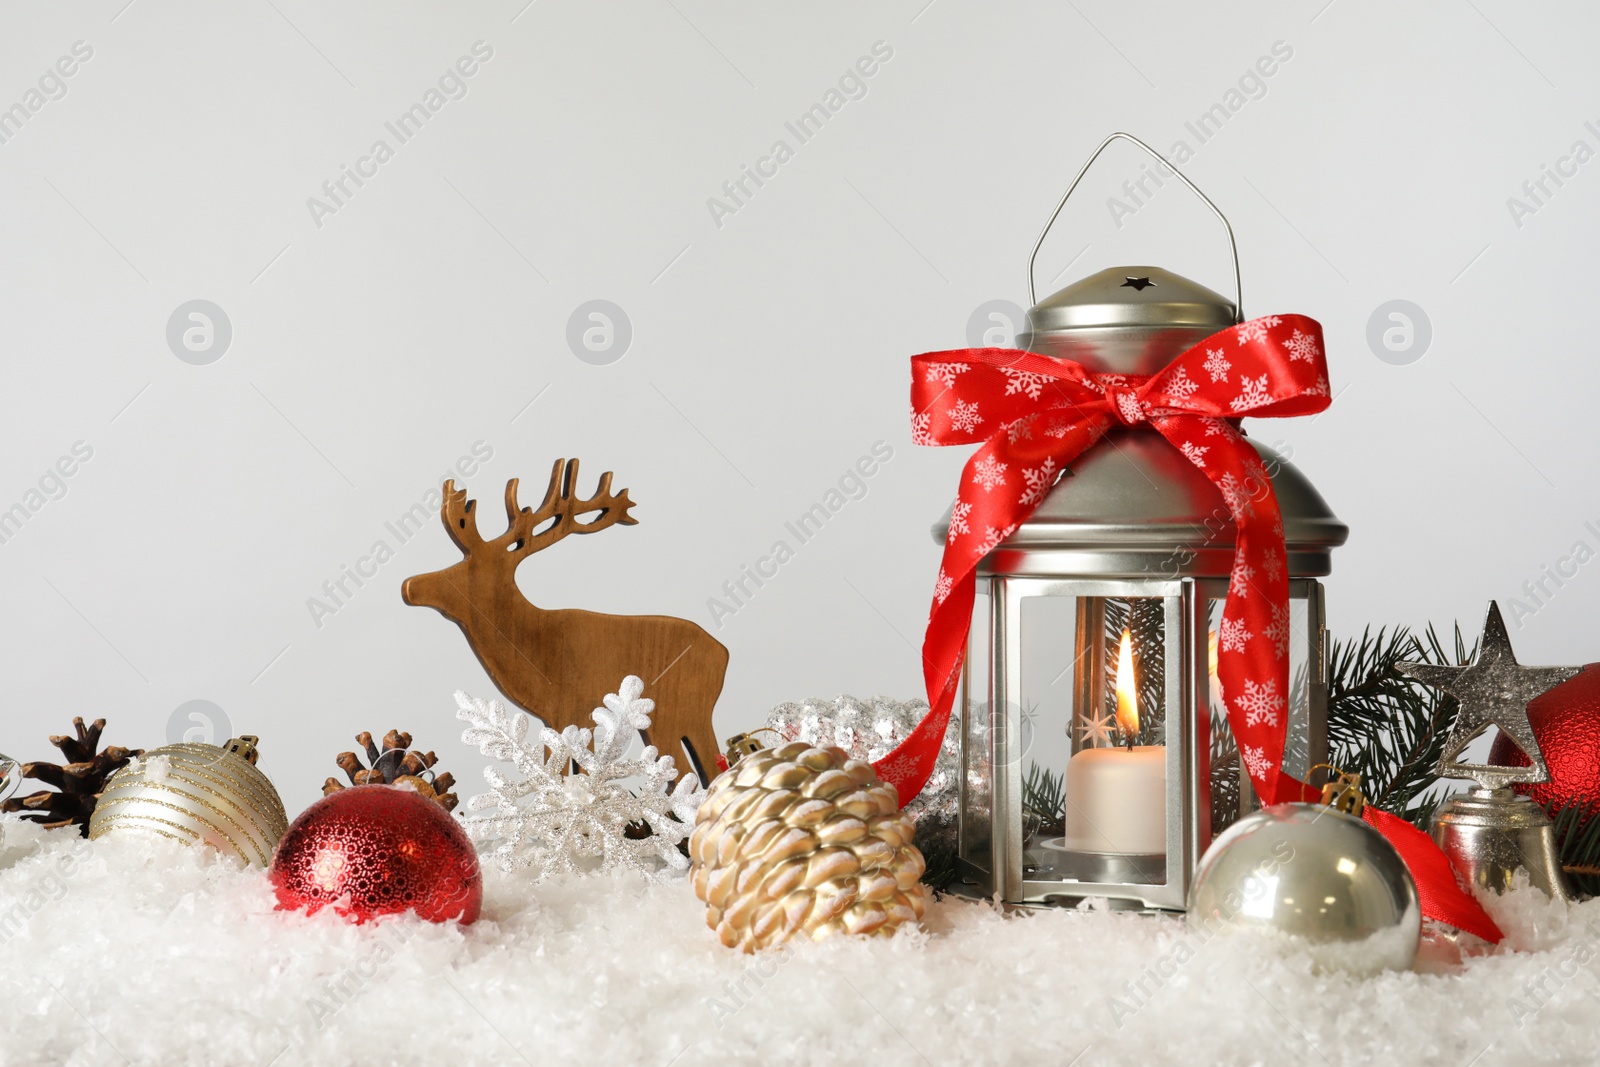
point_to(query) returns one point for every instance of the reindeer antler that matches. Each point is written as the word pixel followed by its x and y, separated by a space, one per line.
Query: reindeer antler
pixel 559 508
pixel 459 520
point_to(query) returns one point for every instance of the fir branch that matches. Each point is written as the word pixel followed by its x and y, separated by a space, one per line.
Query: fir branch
pixel 1578 842
pixel 1043 795
pixel 1224 786
pixel 1143 618
pixel 940 870
pixel 1389 728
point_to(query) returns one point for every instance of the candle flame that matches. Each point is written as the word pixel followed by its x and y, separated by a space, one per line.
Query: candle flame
pixel 1127 689
pixel 1217 703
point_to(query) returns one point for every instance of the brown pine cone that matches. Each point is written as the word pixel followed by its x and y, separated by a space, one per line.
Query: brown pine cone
pixel 798 841
pixel 397 763
pixel 78 781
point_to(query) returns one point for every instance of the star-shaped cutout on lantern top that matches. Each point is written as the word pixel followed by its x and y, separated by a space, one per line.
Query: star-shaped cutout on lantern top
pixel 1494 689
pixel 1136 283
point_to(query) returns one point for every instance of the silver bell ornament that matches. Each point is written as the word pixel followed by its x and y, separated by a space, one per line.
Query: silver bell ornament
pixel 1491 833
pixel 1317 877
pixel 196 793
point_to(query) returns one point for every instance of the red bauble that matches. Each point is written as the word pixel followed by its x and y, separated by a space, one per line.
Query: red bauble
pixel 376 850
pixel 1566 723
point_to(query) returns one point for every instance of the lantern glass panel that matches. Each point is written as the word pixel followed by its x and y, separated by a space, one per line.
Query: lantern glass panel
pixel 977 772
pixel 1076 811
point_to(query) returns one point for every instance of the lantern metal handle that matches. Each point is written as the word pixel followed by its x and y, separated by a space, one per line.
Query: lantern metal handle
pixel 1238 290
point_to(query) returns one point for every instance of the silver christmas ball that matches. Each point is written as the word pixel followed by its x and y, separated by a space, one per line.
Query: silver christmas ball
pixel 196 793
pixel 869 730
pixel 1306 872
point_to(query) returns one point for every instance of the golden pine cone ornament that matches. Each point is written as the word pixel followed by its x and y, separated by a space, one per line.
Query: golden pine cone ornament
pixel 801 841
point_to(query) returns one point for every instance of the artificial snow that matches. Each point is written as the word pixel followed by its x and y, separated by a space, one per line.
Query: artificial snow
pixel 148 952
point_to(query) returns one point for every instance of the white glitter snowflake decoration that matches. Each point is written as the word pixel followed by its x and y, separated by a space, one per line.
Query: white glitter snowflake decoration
pixel 555 822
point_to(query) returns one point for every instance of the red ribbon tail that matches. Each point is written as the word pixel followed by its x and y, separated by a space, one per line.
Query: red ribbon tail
pixel 1440 892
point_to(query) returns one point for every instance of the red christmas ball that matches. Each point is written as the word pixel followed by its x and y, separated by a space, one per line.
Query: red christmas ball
pixel 376 850
pixel 1566 723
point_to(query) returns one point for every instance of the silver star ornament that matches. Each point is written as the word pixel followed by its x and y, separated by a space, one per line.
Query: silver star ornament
pixel 1494 689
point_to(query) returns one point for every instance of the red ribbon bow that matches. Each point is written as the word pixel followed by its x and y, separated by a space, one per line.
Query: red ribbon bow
pixel 1033 415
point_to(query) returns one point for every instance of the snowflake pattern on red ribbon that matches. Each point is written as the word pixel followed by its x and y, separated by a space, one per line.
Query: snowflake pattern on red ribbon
pixel 993 397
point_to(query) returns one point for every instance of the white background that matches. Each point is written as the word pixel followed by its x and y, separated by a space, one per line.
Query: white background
pixel 768 354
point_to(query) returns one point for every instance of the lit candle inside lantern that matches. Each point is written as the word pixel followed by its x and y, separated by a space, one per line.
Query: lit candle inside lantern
pixel 1116 798
pixel 1216 683
pixel 1127 690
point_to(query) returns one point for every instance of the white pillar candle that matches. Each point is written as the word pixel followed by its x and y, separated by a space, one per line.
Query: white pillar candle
pixel 1116 800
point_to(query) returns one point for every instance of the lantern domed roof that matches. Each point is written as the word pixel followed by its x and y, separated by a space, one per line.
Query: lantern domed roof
pixel 1126 320
pixel 1133 506
pixel 1132 296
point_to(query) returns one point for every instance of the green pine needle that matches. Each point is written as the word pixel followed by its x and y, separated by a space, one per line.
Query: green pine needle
pixel 1578 841
pixel 1389 728
pixel 1044 796
pixel 940 869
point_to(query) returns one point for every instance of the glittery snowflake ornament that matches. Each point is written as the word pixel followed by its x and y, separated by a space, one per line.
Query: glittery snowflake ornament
pixel 612 813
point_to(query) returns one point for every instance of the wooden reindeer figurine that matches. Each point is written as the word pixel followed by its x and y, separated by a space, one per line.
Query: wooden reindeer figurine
pixel 556 664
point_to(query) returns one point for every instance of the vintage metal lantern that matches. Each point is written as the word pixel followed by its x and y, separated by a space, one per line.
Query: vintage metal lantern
pixel 1089 662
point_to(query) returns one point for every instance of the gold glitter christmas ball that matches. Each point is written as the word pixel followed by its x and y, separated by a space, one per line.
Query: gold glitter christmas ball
pixel 797 841
pixel 192 792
